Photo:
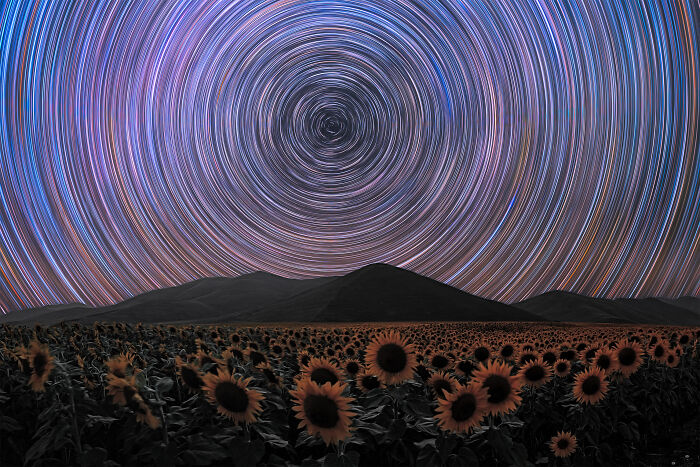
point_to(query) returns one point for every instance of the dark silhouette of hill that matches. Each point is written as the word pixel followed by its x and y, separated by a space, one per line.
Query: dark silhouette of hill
pixel 571 307
pixel 380 292
pixel 377 292
pixel 198 300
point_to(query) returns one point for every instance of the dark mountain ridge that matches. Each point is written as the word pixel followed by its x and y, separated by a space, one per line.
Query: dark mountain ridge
pixel 570 307
pixel 377 292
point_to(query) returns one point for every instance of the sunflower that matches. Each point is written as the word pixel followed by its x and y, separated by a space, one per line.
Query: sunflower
pixel 208 362
pixel 323 410
pixel 549 356
pixel 234 352
pixel 351 367
pixel 440 361
pixel 255 356
pixel 672 360
pixel 604 359
pixel 590 386
pixel 563 444
pixel 350 351
pixel 464 367
pixel 41 363
pixel 391 358
pixel 366 381
pixel 506 352
pixel 503 389
pixel 659 351
pixel 322 370
pixel 562 367
pixel 526 356
pixel 303 358
pixel 462 409
pixel 441 383
pixel 189 375
pixel 144 415
pixel 123 390
pixel 481 352
pixel 232 397
pixel 535 373
pixel 118 367
pixel 628 356
pixel 272 378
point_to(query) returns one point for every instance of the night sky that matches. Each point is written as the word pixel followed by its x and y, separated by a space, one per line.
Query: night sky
pixel 504 147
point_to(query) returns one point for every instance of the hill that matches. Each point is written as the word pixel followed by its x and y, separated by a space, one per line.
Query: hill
pixel 377 292
pixel 571 307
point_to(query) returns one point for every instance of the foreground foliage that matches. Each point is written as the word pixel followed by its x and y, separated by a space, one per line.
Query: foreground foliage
pixel 452 394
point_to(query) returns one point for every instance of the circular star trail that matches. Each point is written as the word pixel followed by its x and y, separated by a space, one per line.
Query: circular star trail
pixel 507 148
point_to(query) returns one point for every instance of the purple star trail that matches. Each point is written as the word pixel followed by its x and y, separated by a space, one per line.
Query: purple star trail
pixel 506 148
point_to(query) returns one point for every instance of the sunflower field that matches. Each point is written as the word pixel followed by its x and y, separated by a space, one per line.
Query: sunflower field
pixel 434 394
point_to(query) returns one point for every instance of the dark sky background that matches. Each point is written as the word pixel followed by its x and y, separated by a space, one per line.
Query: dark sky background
pixel 507 148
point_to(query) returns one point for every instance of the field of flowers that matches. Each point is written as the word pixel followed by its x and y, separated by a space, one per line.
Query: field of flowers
pixel 437 394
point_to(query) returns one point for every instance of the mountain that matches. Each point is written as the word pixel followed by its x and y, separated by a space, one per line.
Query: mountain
pixel 377 292
pixel 571 307
pixel 374 293
pixel 380 292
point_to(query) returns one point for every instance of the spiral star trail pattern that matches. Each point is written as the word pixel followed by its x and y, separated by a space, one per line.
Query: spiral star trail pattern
pixel 506 147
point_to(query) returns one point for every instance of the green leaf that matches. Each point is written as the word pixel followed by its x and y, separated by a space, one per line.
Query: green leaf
pixel 164 385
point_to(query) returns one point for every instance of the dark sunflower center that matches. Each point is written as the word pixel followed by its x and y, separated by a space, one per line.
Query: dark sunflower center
pixel 549 357
pixel 534 373
pixel 191 378
pixel 352 367
pixel 603 362
pixel 40 362
pixel 590 353
pixel 563 443
pixel 527 358
pixel 465 367
pixel 441 387
pixel 658 351
pixel 370 382
pixel 507 350
pixel 257 357
pixel 277 349
pixel 463 407
pixel 591 385
pixel 323 375
pixel 392 358
pixel 231 397
pixel 321 411
pixel 561 367
pixel 481 353
pixel 498 388
pixel 627 356
pixel 439 361
pixel 684 339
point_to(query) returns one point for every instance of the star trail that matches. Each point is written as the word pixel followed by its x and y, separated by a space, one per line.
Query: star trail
pixel 504 147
